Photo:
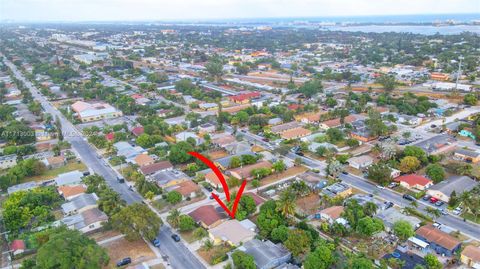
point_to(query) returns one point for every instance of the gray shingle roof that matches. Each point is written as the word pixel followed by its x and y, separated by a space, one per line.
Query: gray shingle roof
pixel 459 184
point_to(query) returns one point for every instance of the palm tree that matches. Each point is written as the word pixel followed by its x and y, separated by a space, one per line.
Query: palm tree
pixel 370 209
pixel 286 203
pixel 414 204
pixel 208 245
pixel 174 217
pixel 435 213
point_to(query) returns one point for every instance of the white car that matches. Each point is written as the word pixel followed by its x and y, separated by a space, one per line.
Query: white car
pixel 380 187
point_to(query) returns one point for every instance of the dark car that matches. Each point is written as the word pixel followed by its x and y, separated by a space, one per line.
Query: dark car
pixel 439 203
pixel 123 262
pixel 300 153
pixel 175 237
pixel 156 242
pixel 208 188
pixel 345 172
pixel 426 197
pixel 120 179
pixel 408 197
pixel 388 205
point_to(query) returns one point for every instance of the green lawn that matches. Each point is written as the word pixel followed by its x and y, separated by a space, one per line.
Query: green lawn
pixel 50 174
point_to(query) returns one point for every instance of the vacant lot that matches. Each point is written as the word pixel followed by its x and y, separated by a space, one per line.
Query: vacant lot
pixel 51 174
pixel 138 251
pixel 293 171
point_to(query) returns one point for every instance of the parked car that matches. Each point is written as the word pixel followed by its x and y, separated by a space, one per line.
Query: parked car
pixel 426 197
pixel 392 185
pixel 439 203
pixel 408 197
pixel 388 205
pixel 380 187
pixel 124 262
pixel 433 200
pixel 208 188
pixel 345 172
pixel 120 180
pixel 156 242
pixel 175 237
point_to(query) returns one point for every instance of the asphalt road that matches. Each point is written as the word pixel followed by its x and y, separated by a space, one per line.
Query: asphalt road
pixel 454 222
pixel 86 152
pixel 179 256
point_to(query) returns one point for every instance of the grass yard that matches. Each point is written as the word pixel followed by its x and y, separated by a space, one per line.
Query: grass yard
pixel 51 174
pixel 215 255
pixel 189 236
pixel 121 248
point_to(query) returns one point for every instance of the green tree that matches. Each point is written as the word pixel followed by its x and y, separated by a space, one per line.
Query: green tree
pixel 409 164
pixel 214 68
pixel 174 197
pixel 321 258
pixel 67 248
pixel 311 88
pixel 242 260
pixel 179 152
pixel 380 173
pixel 432 262
pixel 403 229
pixel 368 226
pixel 286 203
pixel 136 221
pixel 279 234
pixel 174 217
pixel 279 166
pixel 361 263
pixel 470 99
pixel 186 223
pixel 388 82
pixel 298 242
pixel 435 172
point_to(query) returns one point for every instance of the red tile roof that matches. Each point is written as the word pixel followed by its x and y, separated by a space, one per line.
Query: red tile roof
pixel 432 234
pixel 187 187
pixel 414 179
pixel 244 96
pixel 258 199
pixel 206 214
pixel 17 245
pixel 110 136
pixel 155 167
pixel 137 131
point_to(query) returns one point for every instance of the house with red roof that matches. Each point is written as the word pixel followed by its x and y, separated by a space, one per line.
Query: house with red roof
pixel 244 98
pixel 414 181
pixel 207 216
pixel 110 136
pixel 137 131
pixel 17 247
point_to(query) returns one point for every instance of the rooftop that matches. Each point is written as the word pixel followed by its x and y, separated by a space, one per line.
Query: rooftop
pixel 432 234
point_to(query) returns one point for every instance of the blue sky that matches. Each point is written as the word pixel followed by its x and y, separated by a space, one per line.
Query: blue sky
pixel 134 10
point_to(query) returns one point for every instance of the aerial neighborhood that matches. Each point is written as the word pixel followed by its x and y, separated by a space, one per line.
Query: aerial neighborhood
pixel 359 149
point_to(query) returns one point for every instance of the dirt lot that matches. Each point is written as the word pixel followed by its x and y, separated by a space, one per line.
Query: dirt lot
pixel 100 236
pixel 217 154
pixel 121 248
pixel 296 170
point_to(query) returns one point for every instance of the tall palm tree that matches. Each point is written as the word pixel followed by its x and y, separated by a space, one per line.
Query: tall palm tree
pixel 435 213
pixel 174 217
pixel 286 203
pixel 370 209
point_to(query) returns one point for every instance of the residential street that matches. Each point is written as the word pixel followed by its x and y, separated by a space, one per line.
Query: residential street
pixel 180 256
pixel 456 223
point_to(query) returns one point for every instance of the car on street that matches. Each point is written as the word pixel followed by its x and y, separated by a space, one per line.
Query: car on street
pixel 426 197
pixel 345 172
pixel 408 197
pixel 392 185
pixel 120 180
pixel 156 242
pixel 124 262
pixel 380 187
pixel 437 225
pixel 175 237
pixel 439 203
pixel 208 188
pixel 433 200
pixel 388 205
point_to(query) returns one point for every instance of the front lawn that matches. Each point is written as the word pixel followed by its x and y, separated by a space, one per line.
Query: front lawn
pixel 53 173
pixel 216 254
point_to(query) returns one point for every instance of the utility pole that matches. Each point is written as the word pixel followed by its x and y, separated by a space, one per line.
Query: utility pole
pixel 459 72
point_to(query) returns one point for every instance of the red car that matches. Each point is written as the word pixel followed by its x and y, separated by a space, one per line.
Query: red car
pixel 433 200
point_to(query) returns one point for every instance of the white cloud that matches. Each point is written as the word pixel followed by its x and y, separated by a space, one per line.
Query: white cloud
pixel 81 10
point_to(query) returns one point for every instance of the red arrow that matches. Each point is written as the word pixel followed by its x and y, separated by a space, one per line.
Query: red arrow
pixel 217 172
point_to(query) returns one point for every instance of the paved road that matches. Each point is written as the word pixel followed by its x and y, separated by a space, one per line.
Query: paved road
pixel 454 222
pixel 86 152
pixel 180 256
